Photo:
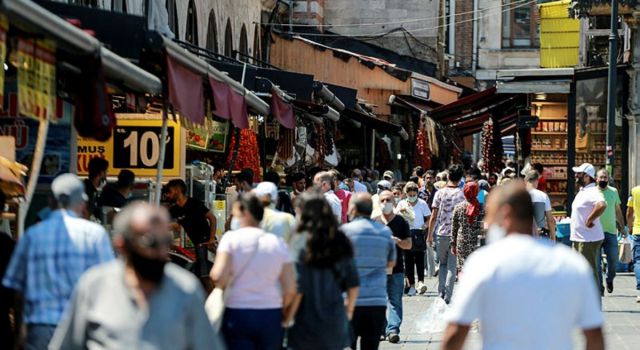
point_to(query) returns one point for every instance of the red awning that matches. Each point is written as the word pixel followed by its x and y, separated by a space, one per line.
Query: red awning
pixel 282 111
pixel 464 105
pixel 417 104
pixel 229 104
pixel 507 125
pixel 185 91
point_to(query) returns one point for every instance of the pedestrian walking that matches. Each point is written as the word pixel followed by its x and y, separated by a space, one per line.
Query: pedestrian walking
pixel 93 185
pixel 139 301
pixel 587 207
pixel 466 224
pixel 50 258
pixel 375 252
pixel 298 184
pixel 543 217
pixel 343 195
pixel 255 269
pixel 527 293
pixel 414 258
pixel 274 221
pixel 358 185
pixel 325 269
pixel 118 195
pixel 196 219
pixel 633 223
pixel 383 185
pixel 395 281
pixel 442 213
pixel 324 181
pixel 612 222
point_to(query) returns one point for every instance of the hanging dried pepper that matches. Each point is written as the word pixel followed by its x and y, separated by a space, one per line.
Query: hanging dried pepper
pixel 286 142
pixel 248 153
pixel 423 154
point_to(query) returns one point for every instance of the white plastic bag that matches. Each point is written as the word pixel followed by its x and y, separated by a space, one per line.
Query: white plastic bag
pixel 433 320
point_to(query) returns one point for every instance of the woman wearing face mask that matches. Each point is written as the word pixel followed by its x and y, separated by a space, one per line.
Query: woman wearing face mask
pixel 466 224
pixel 414 258
pixel 256 269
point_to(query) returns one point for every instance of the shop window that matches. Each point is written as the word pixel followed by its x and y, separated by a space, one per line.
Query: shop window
pixel 519 25
pixel 173 17
pixel 244 45
pixel 192 24
pixel 212 33
pixel 228 40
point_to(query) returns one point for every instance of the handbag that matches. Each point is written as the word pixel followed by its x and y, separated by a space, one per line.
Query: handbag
pixel 418 241
pixel 624 250
pixel 215 304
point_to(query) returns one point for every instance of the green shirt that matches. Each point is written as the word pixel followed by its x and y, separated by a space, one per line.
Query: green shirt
pixel 608 218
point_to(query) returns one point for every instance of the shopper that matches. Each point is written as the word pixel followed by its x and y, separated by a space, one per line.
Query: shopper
pixel 443 204
pixel 612 223
pixel 324 182
pixel 414 258
pixel 542 181
pixel 274 221
pixel 395 281
pixel 118 195
pixel 466 225
pixel 375 252
pixel 543 217
pixel 325 269
pixel 196 219
pixel 428 191
pixel 526 293
pixel 139 301
pixel 633 222
pixel 343 195
pixel 255 268
pixel 588 205
pixel 93 185
pixel 244 181
pixel 298 184
pixel 383 185
pixel 50 258
pixel 358 186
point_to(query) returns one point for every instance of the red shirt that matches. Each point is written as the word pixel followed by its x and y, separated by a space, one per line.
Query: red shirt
pixel 542 184
pixel 344 198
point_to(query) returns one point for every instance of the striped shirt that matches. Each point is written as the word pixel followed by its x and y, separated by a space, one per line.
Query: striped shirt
pixel 48 261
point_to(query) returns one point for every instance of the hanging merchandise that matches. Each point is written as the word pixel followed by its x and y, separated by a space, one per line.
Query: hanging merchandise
pixel 330 131
pixel 4 27
pixel 93 117
pixel 286 143
pixel 423 155
pixel 491 147
pixel 248 153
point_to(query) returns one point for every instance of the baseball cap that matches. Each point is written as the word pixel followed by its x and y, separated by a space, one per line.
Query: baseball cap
pixel 586 168
pixel 267 189
pixel 388 175
pixel 67 188
pixel 384 184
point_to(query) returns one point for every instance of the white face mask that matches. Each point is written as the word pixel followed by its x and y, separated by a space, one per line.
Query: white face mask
pixel 235 224
pixel 495 233
pixel 388 208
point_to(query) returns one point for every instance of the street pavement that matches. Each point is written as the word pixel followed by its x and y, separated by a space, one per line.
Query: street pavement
pixel 621 312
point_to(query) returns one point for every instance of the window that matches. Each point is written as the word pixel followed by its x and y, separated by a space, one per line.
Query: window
pixel 519 25
pixel 173 17
pixel 228 40
pixel 212 33
pixel 244 45
pixel 192 24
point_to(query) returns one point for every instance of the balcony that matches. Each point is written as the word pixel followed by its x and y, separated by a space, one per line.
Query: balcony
pixel 585 8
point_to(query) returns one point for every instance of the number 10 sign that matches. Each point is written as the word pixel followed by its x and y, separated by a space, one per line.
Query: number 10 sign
pixel 135 145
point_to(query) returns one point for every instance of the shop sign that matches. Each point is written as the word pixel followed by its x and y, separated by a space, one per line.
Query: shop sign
pixel 419 89
pixel 36 66
pixel 211 137
pixel 134 145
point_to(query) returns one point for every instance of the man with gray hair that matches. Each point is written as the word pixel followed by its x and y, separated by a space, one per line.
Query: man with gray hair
pixel 50 258
pixel 324 181
pixel 542 215
pixel 140 301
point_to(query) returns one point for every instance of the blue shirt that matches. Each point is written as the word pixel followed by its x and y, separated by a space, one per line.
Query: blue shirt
pixel 374 249
pixel 48 261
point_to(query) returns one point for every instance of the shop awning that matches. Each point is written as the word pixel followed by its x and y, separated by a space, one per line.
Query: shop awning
pixel 411 102
pixel 77 42
pixel 380 125
pixel 508 124
pixel 537 80
pixel 464 105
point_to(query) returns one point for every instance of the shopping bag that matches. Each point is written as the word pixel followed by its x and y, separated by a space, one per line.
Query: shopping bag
pixel 624 250
pixel 433 321
pixel 214 307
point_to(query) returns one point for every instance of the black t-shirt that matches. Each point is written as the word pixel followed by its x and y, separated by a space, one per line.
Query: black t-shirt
pixel 400 229
pixel 193 218
pixel 111 197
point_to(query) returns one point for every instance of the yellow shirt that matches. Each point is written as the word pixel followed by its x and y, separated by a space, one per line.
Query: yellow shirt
pixel 634 203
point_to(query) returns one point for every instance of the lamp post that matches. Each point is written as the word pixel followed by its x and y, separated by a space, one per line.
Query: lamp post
pixel 611 88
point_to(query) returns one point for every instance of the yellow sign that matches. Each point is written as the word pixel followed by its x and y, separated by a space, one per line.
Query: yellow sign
pixel 134 145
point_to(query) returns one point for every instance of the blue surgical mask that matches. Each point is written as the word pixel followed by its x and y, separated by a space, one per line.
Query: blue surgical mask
pixel 412 199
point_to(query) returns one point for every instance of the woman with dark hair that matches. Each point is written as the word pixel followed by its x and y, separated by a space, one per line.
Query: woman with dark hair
pixel 255 268
pixel 325 269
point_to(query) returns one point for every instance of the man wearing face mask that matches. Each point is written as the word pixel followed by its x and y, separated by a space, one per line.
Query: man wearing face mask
pixel 528 294
pixel 383 185
pixel 395 281
pixel 94 184
pixel 612 223
pixel 587 207
pixel 324 181
pixel 140 301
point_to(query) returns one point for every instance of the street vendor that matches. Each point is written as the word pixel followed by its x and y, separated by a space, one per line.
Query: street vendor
pixel 197 221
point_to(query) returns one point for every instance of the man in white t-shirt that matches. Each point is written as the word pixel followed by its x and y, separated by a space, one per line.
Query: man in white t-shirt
pixel 589 204
pixel 527 293
pixel 542 215
pixel 324 181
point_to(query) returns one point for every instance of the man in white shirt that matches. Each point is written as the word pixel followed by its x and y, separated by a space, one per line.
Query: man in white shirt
pixel 527 293
pixel 324 181
pixel 542 215
pixel 274 221
pixel 358 186
pixel 587 207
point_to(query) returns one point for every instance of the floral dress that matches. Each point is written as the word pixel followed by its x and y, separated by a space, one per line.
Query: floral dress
pixel 464 235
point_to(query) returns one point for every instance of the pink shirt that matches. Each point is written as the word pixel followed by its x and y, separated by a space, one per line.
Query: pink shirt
pixel 258 286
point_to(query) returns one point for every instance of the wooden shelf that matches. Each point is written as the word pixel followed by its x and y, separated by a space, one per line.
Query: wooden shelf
pixel 543 163
pixel 553 119
pixel 548 133
pixel 548 150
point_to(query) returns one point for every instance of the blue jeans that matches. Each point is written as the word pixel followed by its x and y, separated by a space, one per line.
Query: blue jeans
pixel 395 289
pixel 636 259
pixel 251 329
pixel 610 249
pixel 447 274
pixel 38 336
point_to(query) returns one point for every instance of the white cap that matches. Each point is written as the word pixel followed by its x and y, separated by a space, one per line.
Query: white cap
pixel 68 189
pixel 267 189
pixel 384 184
pixel 587 169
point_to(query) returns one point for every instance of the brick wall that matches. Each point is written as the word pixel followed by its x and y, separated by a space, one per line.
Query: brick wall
pixel 464 34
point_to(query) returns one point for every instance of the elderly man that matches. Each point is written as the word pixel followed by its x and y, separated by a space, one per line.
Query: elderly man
pixel 383 185
pixel 375 254
pixel 274 221
pixel 140 301
pixel 324 182
pixel 527 293
pixel 50 258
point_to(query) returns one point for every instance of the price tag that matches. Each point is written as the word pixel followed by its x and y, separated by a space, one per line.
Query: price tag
pixel 140 147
